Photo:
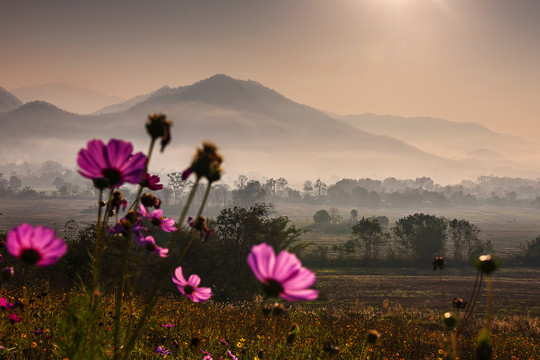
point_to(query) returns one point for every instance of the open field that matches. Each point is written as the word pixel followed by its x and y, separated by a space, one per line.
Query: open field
pixel 506 227
pixel 516 291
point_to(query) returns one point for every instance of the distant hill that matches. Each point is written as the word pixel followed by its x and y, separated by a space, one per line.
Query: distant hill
pixel 259 131
pixel 8 101
pixel 164 90
pixel 443 137
pixel 69 98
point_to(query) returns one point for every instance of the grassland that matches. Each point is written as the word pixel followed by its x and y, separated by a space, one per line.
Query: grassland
pixel 403 304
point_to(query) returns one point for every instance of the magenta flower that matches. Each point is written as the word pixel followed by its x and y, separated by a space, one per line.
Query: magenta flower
pixel 5 305
pixel 234 357
pixel 157 219
pixel 283 275
pixel 35 245
pixel 150 244
pixel 151 182
pixel 162 351
pixel 190 287
pixel 111 165
pixel 13 318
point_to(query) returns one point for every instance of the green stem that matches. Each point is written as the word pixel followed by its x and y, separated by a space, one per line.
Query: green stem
pixel 489 302
pixel 442 288
pixel 120 292
pixel 165 266
pixel 135 204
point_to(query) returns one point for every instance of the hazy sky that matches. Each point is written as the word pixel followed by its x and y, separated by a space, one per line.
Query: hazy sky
pixel 463 60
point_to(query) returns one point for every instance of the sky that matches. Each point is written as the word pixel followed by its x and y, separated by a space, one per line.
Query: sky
pixel 462 60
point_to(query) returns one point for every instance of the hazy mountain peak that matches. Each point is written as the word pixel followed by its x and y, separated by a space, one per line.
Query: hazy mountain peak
pixel 8 101
pixel 70 98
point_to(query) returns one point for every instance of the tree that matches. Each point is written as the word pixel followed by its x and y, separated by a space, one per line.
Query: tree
pixel 15 182
pixel 241 182
pixel 334 215
pixel 464 237
pixel 238 229
pixel 58 182
pixel 422 236
pixel 369 235
pixel 320 186
pixel 354 214
pixel 50 170
pixel 281 185
pixel 322 217
pixel 253 192
pixel 532 250
pixel 308 188
pixel 178 185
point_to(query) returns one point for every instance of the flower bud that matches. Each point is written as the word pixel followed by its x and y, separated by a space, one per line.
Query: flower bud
pixel 438 263
pixel 450 320
pixel 7 273
pixel 372 337
pixel 158 126
pixel 295 329
pixel 459 303
pixel 206 163
pixel 487 264
pixel 484 350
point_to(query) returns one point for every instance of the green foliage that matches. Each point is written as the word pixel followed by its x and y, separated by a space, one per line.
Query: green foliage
pixel 421 235
pixel 222 260
pixel 368 234
pixel 322 217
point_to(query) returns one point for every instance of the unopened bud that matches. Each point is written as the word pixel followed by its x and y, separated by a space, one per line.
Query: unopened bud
pixel 7 273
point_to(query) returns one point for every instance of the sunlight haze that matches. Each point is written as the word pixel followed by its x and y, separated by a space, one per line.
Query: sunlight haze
pixel 466 61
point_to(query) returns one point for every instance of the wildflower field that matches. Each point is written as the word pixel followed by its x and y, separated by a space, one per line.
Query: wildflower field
pixel 128 285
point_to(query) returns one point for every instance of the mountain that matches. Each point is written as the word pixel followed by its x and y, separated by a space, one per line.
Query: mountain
pixel 258 130
pixel 70 98
pixel 164 90
pixel 447 138
pixel 8 101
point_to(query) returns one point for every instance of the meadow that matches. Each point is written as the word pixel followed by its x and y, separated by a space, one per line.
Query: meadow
pixel 403 304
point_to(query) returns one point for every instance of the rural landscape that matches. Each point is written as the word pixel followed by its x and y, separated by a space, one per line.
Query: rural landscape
pixel 270 180
pixel 372 245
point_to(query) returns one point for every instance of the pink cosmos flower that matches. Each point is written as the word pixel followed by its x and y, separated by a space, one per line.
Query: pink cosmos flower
pixel 13 318
pixel 162 351
pixel 151 182
pixel 283 275
pixel 5 305
pixel 35 245
pixel 190 287
pixel 150 244
pixel 111 165
pixel 157 219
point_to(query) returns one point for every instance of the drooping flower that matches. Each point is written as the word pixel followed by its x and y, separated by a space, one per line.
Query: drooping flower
pixel 234 357
pixel 206 163
pixel 199 224
pixel 190 287
pixel 158 126
pixel 111 165
pixel 283 275
pixel 35 245
pixel 151 182
pixel 131 223
pixel 157 219
pixel 149 200
pixel 149 243
pixel 117 201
